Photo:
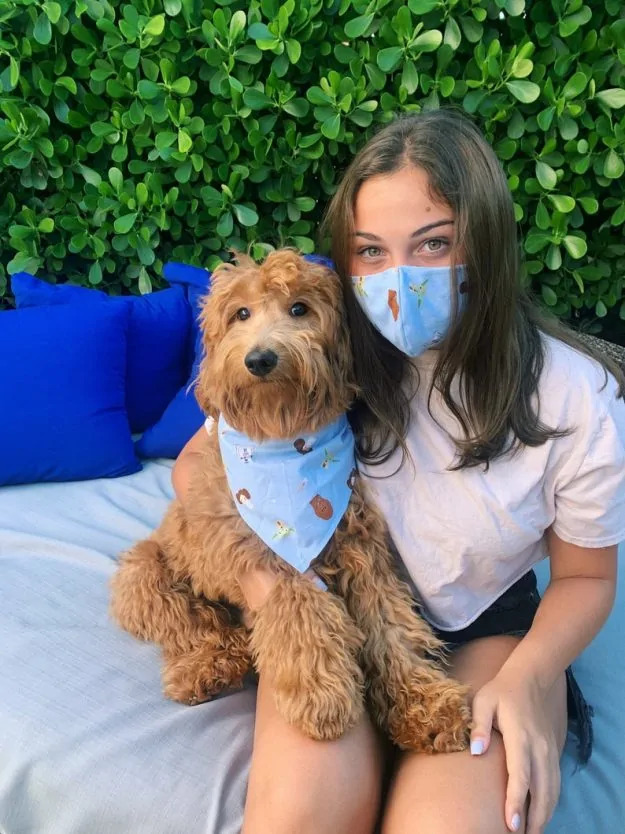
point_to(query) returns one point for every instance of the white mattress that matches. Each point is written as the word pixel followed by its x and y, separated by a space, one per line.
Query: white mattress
pixel 87 743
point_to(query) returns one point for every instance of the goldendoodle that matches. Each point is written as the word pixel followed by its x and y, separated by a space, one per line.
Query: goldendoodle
pixel 277 370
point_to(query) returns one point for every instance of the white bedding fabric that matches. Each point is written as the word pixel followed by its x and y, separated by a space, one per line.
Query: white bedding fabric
pixel 88 745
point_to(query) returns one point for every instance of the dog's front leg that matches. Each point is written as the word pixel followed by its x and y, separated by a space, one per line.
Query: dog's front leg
pixel 304 641
pixel 412 698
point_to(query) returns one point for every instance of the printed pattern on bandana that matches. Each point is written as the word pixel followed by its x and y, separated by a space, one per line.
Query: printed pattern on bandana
pixel 291 493
pixel 411 306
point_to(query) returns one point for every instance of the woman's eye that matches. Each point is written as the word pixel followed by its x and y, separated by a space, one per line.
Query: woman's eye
pixel 435 245
pixel 242 314
pixel 298 309
pixel 370 252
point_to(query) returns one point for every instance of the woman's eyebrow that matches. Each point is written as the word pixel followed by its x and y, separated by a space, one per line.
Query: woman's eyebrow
pixel 421 231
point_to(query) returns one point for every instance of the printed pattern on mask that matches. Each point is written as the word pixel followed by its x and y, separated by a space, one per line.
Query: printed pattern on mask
pixel 291 493
pixel 412 306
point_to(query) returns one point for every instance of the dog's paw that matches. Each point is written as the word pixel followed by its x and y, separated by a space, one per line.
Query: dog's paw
pixel 194 678
pixel 432 718
pixel 323 711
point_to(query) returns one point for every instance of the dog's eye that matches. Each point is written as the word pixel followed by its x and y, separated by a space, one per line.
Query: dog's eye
pixel 242 314
pixel 298 309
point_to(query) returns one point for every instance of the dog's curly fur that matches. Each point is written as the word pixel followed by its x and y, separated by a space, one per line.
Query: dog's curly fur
pixel 179 588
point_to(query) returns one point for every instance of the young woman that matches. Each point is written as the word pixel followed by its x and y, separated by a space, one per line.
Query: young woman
pixel 490 440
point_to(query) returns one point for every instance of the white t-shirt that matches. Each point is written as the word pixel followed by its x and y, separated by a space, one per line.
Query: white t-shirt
pixel 466 536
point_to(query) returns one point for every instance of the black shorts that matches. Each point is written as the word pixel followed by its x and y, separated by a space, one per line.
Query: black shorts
pixel 513 614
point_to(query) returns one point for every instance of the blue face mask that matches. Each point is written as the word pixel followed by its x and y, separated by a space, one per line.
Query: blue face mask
pixel 412 306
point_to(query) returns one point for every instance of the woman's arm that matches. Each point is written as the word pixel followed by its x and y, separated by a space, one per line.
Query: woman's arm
pixel 576 604
pixel 255 585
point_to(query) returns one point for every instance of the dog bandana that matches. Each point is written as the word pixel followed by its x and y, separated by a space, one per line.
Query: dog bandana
pixel 411 306
pixel 291 493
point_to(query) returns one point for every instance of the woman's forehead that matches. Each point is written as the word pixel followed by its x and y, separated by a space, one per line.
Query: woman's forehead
pixel 397 203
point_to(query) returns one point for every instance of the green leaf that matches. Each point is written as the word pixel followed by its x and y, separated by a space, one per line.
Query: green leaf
pixel 575 246
pixel 131 58
pixel 536 242
pixel 357 27
pixel 293 50
pixel 245 215
pixel 389 58
pixel 614 97
pixel 53 11
pixel 545 175
pixel 549 296
pixel 124 224
pixel 259 32
pixel 613 166
pixel 116 178
pixel 553 258
pixel 453 36
pixel 148 90
pixel 68 83
pixel 331 127
pixel 95 274
pixel 428 41
pixel 155 26
pixel 91 176
pixel 185 142
pixel 181 86
pixel 589 204
pixel 144 284
pixel 562 203
pixel 14 72
pixel 524 91
pixel 600 309
pixel 46 225
pixel 256 99
pixel 238 22
pixel 545 118
pixel 42 31
pixel 514 7
pixel 410 78
pixel 225 225
pixel 575 86
pixel 172 7
pixel 420 7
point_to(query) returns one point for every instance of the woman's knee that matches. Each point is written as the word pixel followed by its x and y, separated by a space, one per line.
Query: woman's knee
pixel 299 786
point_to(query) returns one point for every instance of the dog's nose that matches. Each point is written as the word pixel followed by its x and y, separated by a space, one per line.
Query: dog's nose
pixel 261 362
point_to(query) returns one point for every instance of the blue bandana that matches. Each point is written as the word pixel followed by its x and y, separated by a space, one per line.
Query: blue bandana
pixel 292 493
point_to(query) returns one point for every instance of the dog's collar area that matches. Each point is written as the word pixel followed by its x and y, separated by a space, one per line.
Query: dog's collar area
pixel 291 493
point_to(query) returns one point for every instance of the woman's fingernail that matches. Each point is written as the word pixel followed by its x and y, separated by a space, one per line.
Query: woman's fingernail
pixel 477 747
pixel 515 823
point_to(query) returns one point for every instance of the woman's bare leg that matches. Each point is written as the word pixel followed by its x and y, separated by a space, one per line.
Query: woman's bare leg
pixel 301 786
pixel 455 792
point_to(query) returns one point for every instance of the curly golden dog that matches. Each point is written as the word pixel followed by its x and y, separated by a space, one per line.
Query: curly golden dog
pixel 326 652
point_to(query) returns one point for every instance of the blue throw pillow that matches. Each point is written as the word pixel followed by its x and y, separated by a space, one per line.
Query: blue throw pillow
pixel 158 339
pixel 63 414
pixel 183 416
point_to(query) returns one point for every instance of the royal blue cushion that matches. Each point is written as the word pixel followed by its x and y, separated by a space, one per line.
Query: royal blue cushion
pixel 183 416
pixel 63 414
pixel 158 339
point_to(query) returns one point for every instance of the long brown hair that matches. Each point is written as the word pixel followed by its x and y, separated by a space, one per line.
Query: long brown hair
pixel 496 348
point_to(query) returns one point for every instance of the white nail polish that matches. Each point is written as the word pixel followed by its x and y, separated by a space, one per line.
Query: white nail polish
pixel 477 747
pixel 515 823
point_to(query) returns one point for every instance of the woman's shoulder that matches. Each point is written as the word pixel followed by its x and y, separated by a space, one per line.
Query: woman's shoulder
pixel 573 383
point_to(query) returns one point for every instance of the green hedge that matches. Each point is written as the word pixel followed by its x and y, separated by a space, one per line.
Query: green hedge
pixel 135 132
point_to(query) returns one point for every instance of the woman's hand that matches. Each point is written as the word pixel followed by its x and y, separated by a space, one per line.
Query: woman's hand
pixel 517 708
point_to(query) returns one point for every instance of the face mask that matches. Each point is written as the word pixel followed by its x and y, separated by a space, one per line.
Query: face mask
pixel 292 493
pixel 411 306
